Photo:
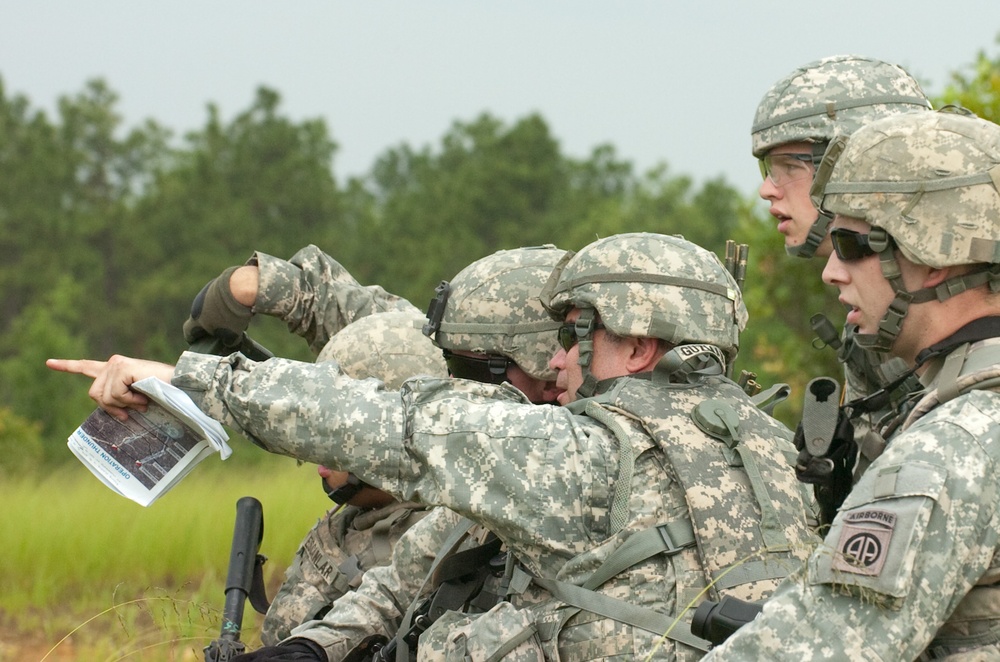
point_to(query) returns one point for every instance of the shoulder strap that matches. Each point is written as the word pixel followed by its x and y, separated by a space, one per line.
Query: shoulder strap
pixel 454 538
pixel 619 610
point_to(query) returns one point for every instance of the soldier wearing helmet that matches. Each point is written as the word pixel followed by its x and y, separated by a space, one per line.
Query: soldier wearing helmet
pixel 369 333
pixel 625 506
pixel 909 567
pixel 361 533
pixel 491 327
pixel 797 119
pixel 801 114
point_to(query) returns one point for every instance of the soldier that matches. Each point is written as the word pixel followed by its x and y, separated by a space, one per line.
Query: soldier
pixel 491 325
pixel 909 567
pixel 313 293
pixel 795 122
pixel 363 531
pixel 659 481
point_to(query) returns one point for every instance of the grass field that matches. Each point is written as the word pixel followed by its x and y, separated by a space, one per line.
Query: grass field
pixel 133 583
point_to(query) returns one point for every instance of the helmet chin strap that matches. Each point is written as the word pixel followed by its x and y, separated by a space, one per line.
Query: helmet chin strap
pixel 585 334
pixel 891 323
pixel 817 233
pixel 820 227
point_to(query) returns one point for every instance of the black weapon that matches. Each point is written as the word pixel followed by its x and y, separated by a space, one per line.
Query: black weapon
pixel 716 621
pixel 244 580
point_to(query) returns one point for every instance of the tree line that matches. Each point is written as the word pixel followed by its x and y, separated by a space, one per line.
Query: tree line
pixel 107 232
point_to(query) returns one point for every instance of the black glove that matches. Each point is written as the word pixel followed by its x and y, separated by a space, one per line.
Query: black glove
pixel 293 650
pixel 214 312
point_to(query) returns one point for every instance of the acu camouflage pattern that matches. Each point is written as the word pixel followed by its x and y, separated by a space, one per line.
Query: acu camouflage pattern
pixel 388 346
pixel 749 512
pixel 378 604
pixel 541 478
pixel 931 589
pixel 652 286
pixel 830 97
pixel 331 561
pixel 369 333
pixel 929 179
pixel 316 296
pixel 493 308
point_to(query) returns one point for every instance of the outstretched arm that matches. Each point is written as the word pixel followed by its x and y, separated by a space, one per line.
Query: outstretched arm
pixel 113 379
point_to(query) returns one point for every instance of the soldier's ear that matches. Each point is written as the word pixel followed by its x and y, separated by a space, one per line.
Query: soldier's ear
pixel 644 354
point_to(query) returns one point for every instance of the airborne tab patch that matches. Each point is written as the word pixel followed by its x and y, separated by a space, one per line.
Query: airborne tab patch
pixel 864 541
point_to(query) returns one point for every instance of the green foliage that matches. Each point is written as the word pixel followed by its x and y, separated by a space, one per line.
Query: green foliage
pixel 108 232
pixel 20 444
pixel 976 87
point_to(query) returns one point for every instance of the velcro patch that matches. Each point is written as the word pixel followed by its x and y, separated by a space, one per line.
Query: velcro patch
pixel 864 541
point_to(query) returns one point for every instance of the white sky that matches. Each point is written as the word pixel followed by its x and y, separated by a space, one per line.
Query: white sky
pixel 662 81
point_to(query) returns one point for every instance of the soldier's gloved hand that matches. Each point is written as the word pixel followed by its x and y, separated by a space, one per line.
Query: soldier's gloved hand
pixel 293 650
pixel 215 312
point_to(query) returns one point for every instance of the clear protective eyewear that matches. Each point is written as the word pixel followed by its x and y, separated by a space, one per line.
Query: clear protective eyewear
pixel 786 168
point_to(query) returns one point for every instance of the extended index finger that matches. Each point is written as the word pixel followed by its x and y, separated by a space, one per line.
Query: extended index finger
pixel 86 367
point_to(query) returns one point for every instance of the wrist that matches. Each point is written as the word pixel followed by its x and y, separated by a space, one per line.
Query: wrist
pixel 244 284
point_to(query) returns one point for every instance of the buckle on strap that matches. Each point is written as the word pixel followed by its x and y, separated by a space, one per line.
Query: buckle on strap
pixel 676 535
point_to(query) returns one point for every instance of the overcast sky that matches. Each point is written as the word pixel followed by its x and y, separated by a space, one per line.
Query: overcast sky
pixel 662 81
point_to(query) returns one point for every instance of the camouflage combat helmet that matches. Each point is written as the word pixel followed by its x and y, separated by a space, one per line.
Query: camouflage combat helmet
pixel 492 307
pixel 652 286
pixel 387 346
pixel 826 98
pixel 929 185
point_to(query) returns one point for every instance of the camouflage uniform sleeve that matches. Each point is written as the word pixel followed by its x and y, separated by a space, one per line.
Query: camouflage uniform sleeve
pixel 385 593
pixel 316 296
pixel 916 534
pixel 479 449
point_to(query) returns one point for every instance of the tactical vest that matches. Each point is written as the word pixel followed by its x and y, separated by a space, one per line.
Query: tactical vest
pixel 747 513
pixel 746 526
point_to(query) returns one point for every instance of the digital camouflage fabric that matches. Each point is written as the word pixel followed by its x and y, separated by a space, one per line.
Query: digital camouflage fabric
pixel 910 566
pixel 316 296
pixel 369 333
pixel 830 97
pixel 493 308
pixel 544 479
pixel 931 181
pixel 387 346
pixel 331 561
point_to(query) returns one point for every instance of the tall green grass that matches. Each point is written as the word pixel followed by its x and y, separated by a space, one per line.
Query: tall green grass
pixel 152 579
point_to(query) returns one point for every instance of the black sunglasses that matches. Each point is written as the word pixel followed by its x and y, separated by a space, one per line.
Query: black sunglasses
pixel 491 369
pixel 568 336
pixel 851 245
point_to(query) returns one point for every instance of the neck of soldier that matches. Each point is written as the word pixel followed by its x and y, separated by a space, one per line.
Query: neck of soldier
pixel 933 321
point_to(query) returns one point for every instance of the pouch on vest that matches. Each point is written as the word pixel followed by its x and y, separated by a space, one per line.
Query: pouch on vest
pixel 504 632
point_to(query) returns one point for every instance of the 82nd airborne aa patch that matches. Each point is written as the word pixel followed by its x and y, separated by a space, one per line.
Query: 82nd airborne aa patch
pixel 864 541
